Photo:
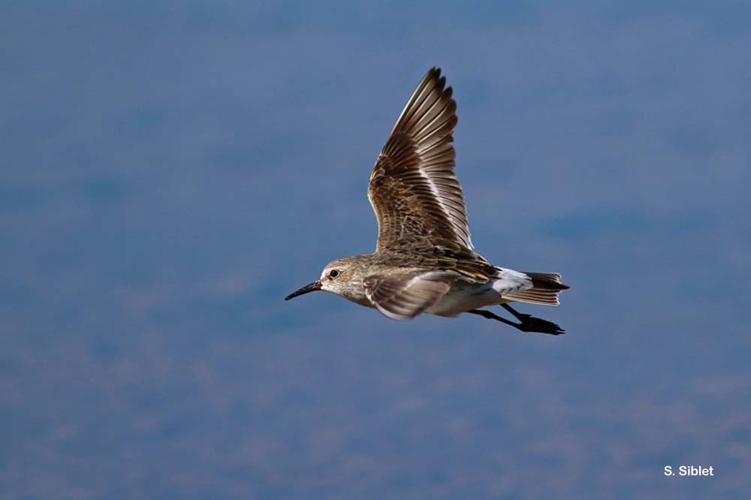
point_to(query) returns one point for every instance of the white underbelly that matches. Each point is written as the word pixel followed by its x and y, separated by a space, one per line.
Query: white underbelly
pixel 464 299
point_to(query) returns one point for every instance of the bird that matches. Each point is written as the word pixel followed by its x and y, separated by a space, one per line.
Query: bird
pixel 425 261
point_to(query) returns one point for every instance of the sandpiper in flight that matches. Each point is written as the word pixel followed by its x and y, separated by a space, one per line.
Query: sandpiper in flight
pixel 424 259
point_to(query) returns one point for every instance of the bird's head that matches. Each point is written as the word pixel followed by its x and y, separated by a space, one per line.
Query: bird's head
pixel 341 276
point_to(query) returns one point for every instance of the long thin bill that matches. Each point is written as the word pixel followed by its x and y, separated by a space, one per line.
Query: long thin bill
pixel 312 287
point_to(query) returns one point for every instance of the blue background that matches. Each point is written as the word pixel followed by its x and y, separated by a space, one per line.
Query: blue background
pixel 171 170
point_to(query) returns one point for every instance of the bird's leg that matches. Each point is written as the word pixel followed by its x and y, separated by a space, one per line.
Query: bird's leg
pixel 529 323
pixel 520 316
pixel 492 315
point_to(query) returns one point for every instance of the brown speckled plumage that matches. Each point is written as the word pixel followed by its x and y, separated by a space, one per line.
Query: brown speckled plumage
pixel 414 192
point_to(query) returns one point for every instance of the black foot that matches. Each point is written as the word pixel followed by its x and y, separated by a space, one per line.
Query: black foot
pixel 538 325
pixel 527 323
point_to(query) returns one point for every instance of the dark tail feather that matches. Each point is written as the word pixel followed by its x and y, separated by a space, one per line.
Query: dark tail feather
pixel 550 281
pixel 545 290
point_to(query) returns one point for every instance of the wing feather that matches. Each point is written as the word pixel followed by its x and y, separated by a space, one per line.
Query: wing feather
pixel 405 295
pixel 413 189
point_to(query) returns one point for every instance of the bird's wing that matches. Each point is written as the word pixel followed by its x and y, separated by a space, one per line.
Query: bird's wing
pixel 414 192
pixel 407 294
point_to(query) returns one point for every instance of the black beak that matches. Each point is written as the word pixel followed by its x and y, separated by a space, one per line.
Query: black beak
pixel 316 285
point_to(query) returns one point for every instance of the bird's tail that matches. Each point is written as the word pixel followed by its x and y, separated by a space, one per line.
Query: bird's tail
pixel 545 290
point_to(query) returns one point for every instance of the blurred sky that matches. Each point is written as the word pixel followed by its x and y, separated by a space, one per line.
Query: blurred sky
pixel 170 170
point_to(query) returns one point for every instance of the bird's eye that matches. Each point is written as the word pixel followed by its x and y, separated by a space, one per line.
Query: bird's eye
pixel 333 273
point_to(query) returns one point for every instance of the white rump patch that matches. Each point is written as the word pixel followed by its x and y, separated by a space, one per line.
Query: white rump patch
pixel 511 281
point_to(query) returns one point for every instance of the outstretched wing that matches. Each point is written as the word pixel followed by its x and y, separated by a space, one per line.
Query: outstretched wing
pixel 413 189
pixel 405 295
